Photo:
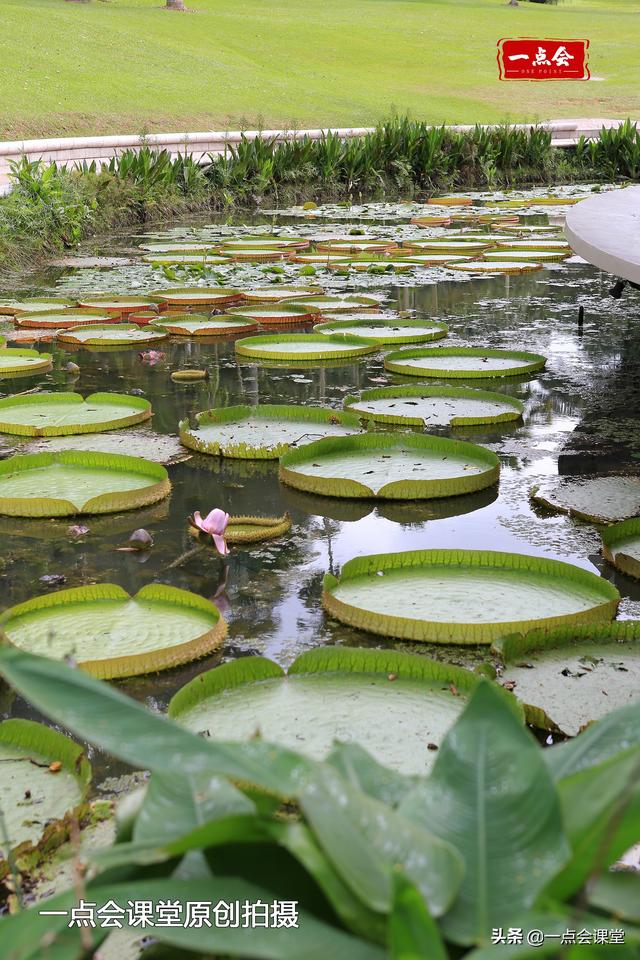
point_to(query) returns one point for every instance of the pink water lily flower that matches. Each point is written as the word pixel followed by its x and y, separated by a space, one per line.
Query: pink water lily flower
pixel 215 524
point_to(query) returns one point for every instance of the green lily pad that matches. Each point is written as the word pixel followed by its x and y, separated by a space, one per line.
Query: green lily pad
pixel 396 706
pixel 179 246
pixel 279 291
pixel 356 245
pixel 329 304
pixel 621 546
pixel 248 529
pixel 549 230
pixel 524 256
pixel 57 414
pixel 277 313
pixel 598 499
pixel 376 264
pixel 34 305
pixel 435 406
pixel 464 596
pixel 62 319
pixel 321 258
pixel 536 243
pixel 266 242
pixel 112 335
pixel 110 634
pixel 204 259
pixel 386 331
pixel 196 297
pixel 16 362
pixel 465 362
pixel 303 347
pixel 117 305
pixel 263 432
pixel 45 780
pixel 73 482
pixel 389 466
pixel 504 265
pixel 437 259
pixel 201 325
pixel 464 247
pixel 569 677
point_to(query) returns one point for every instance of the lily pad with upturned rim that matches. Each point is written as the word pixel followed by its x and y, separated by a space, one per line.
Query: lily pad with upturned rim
pixel 594 498
pixel 187 259
pixel 338 304
pixel 380 264
pixel 463 362
pixel 569 677
pixel 263 432
pixel 196 297
pixel 389 466
pixel 63 319
pixel 621 546
pixel 391 703
pixel 303 347
pixel 430 406
pixel 38 802
pixel 180 246
pixel 442 245
pixel 387 330
pixel 465 596
pixel 534 243
pixel 17 308
pixel 279 291
pixel 266 241
pixel 113 335
pixel 243 530
pixel 16 362
pixel 119 306
pixel 201 325
pixel 71 482
pixel 431 221
pixel 276 313
pixel 259 254
pixel 505 266
pixel 111 634
pixel 57 414
pixel 526 256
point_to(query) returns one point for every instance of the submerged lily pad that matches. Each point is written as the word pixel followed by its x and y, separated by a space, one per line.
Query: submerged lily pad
pixel 329 304
pixel 386 330
pixel 110 634
pixel 599 499
pixel 196 296
pixel 56 414
pixel 277 313
pixel 201 325
pixel 569 677
pixel 621 546
pixel 263 432
pixel 62 319
pixel 396 706
pixel 463 362
pixel 112 335
pixel 73 482
pixel 45 780
pixel 16 362
pixel 464 596
pixel 390 466
pixel 435 406
pixel 303 346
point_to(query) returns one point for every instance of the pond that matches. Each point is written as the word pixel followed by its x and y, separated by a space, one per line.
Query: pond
pixel 578 411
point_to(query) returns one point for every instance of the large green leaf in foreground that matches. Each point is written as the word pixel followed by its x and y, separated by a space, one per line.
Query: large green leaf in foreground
pixel 59 414
pixel 491 796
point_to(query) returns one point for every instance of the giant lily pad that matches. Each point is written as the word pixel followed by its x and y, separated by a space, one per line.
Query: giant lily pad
pixel 386 330
pixel 263 432
pixel 434 221
pixel 621 546
pixel 535 243
pixel 303 347
pixel 599 499
pixel 396 706
pixel 376 264
pixel 465 596
pixel 57 414
pixel 437 259
pixel 201 325
pixel 112 335
pixel 110 634
pixel 435 406
pixel 119 306
pixel 242 530
pixel 62 319
pixel 196 297
pixel 337 304
pixel 460 246
pixel 179 246
pixel 16 308
pixel 262 254
pixel 73 482
pixel 390 466
pixel 265 241
pixel 573 675
pixel 526 256
pixel 203 259
pixel 279 291
pixel 465 362
pixel 45 779
pixel 504 265
pixel 451 201
pixel 276 313
pixel 320 258
pixel 356 245
pixel 15 362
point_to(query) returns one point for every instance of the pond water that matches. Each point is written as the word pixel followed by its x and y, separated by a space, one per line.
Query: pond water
pixel 270 592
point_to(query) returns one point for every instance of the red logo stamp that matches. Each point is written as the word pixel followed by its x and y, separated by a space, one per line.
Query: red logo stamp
pixel 523 58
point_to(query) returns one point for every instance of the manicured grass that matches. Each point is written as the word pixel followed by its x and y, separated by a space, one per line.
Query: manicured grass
pixel 129 65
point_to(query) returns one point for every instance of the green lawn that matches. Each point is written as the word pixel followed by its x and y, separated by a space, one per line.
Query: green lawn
pixel 128 65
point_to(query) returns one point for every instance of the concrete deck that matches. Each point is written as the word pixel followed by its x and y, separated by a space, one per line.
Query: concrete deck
pixel 605 230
